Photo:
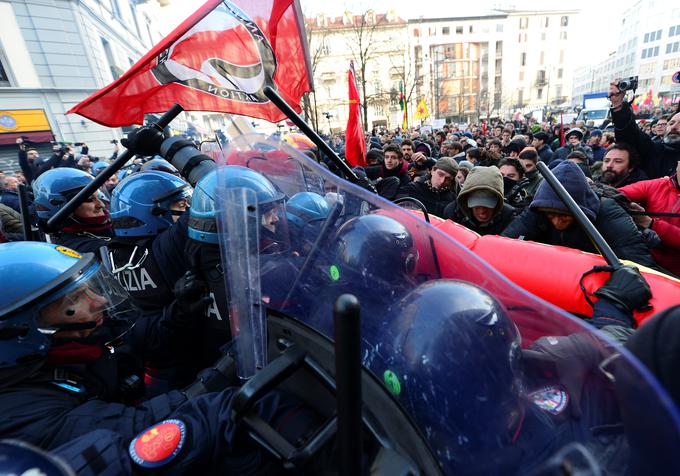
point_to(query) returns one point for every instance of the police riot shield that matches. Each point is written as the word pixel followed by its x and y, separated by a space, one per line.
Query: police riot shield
pixel 496 380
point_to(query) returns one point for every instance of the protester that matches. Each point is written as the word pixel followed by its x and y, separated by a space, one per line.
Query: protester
pixel 529 158
pixel 548 220
pixel 574 140
pixel 540 143
pixel 394 166
pixel 480 205
pixel 620 166
pixel 436 192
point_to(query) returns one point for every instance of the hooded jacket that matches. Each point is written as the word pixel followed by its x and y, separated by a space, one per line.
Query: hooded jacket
pixel 487 179
pixel 435 200
pixel 612 221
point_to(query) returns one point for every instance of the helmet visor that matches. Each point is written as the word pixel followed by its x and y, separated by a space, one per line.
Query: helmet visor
pixel 84 305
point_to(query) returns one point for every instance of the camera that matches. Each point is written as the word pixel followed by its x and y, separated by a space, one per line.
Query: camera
pixel 628 84
pixel 79 144
pixel 114 141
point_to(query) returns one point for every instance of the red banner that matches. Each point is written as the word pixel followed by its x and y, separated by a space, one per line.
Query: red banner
pixel 355 143
pixel 219 59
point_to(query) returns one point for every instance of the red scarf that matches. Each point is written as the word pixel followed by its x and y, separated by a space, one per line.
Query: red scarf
pixel 73 353
pixel 92 225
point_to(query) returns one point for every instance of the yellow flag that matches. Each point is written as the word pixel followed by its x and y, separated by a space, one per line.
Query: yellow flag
pixel 421 111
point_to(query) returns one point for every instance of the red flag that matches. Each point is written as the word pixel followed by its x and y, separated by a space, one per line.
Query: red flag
pixel 355 144
pixel 219 59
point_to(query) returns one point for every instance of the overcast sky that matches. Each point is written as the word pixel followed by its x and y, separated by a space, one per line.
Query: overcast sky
pixel 600 19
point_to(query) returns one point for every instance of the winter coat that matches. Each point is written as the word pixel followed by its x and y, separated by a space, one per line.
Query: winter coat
pixel 545 153
pixel 535 179
pixel 661 195
pixel 656 158
pixel 490 180
pixel 612 221
pixel 435 200
pixel 375 172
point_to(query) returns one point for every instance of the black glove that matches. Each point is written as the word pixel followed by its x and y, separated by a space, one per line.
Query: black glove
pixel 145 141
pixel 627 288
pixel 214 379
pixel 191 294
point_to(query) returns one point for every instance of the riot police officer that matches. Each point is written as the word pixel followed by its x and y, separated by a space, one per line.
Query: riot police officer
pixel 65 372
pixel 89 226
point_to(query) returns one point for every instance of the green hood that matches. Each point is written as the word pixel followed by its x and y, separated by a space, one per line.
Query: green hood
pixel 482 178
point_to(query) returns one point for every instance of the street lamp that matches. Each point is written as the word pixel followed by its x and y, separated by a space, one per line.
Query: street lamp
pixel 328 116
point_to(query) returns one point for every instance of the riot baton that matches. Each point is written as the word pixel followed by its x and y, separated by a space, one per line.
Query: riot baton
pixel 25 216
pixel 314 137
pixel 347 319
pixel 595 236
pixel 54 222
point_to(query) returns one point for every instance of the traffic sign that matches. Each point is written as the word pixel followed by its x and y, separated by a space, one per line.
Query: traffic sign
pixel 676 77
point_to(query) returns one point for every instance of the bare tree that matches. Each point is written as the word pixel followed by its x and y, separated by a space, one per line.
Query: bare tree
pixel 403 67
pixel 365 49
pixel 317 39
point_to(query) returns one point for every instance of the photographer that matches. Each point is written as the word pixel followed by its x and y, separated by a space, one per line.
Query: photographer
pixel 657 159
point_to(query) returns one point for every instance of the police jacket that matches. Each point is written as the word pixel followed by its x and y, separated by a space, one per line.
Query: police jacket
pixel 656 158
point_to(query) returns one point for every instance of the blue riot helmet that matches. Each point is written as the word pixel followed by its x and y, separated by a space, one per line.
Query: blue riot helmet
pixel 21 458
pixel 451 355
pixel 305 212
pixel 203 222
pixel 98 167
pixel 373 251
pixel 160 164
pixel 56 187
pixel 51 293
pixel 142 204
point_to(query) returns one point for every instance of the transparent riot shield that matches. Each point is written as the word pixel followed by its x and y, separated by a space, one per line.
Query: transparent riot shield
pixel 496 380
pixel 240 260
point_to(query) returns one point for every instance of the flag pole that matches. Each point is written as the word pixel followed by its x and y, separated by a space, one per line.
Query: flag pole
pixel 314 137
pixel 54 223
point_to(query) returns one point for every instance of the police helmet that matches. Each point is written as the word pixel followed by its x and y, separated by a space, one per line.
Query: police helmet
pixel 98 167
pixel 202 219
pixel 305 212
pixel 140 204
pixel 160 164
pixel 21 458
pixel 44 287
pixel 374 249
pixel 452 356
pixel 56 187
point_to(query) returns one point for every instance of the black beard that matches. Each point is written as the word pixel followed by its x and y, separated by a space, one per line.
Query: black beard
pixel 671 139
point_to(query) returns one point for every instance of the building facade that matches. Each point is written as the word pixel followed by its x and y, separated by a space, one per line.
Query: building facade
pixel 648 47
pixel 55 53
pixel 375 43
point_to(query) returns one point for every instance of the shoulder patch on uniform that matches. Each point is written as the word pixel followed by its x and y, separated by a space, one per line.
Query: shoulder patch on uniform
pixel 68 252
pixel 159 444
pixel 553 400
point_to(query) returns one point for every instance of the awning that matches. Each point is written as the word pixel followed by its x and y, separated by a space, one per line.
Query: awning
pixel 29 123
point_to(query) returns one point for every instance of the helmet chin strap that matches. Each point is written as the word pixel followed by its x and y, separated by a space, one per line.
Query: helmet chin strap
pixel 78 326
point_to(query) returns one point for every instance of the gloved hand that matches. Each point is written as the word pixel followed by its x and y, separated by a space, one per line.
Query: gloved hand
pixel 191 294
pixel 146 140
pixel 214 379
pixel 627 288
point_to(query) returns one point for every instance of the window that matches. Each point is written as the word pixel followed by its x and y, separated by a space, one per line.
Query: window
pixel 108 53
pixel 644 53
pixel 4 77
pixel 674 30
pixel 561 56
pixel 521 75
pixel 656 51
pixel 558 91
pixel 541 58
pixel 523 23
pixel 520 97
pixel 564 21
pixel 499 28
pixel 445 30
pixel 563 35
pixel 539 93
pixel 459 30
pixel 523 59
pixel 546 22
pixel 646 38
pixel 115 9
pixel 416 32
pixel 658 34
pixel 671 63
pixel 672 47
pixel 559 73
pixel 471 29
pixel 543 36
